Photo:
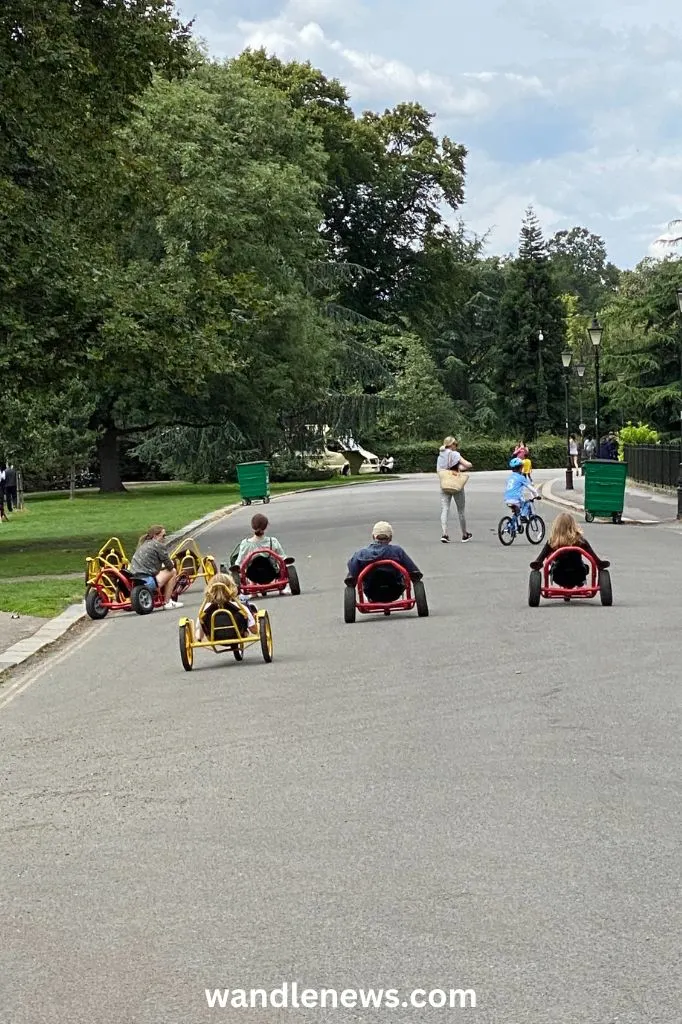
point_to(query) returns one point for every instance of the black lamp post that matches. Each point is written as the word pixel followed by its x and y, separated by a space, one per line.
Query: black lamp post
pixel 595 331
pixel 566 357
pixel 679 477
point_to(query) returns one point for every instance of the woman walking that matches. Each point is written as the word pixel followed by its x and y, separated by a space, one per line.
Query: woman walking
pixel 450 459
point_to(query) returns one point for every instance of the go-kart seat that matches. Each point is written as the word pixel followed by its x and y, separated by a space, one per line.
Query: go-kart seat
pixel 220 626
pixel 383 585
pixel 262 569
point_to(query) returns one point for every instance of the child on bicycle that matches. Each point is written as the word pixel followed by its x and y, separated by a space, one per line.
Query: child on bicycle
pixel 518 489
pixel 221 592
pixel 568 570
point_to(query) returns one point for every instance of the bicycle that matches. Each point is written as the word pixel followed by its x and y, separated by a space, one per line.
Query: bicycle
pixel 522 520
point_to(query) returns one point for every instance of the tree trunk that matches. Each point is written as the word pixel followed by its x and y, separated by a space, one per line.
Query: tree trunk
pixel 109 468
pixel 72 483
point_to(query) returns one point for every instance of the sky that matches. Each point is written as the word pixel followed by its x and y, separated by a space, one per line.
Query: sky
pixel 573 108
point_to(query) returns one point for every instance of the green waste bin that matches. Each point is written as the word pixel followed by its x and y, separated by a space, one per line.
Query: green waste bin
pixel 254 482
pixel 604 489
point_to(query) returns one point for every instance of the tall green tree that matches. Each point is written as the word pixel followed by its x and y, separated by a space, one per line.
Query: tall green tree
pixel 580 265
pixel 528 375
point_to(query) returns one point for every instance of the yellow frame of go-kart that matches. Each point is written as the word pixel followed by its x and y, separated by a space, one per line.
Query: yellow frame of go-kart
pixel 111 553
pixel 190 562
pixel 188 644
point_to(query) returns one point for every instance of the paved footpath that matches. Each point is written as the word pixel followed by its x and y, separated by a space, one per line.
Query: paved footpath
pixel 488 798
pixel 642 505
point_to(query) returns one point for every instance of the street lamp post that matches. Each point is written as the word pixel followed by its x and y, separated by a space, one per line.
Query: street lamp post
pixel 566 357
pixel 679 476
pixel 580 370
pixel 595 331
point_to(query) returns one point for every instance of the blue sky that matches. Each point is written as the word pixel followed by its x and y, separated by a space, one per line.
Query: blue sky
pixel 575 108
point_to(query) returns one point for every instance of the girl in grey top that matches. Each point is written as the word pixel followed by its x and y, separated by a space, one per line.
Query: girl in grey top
pixel 151 558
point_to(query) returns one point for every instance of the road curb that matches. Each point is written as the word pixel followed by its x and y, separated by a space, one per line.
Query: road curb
pixel 54 629
pixel 548 495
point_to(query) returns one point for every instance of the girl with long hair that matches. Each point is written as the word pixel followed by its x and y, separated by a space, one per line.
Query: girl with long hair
pixel 151 558
pixel 221 592
pixel 568 570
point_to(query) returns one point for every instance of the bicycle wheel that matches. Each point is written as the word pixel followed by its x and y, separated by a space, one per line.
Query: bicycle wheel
pixel 506 530
pixel 535 530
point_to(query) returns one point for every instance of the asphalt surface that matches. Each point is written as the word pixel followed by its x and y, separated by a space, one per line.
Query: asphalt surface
pixel 488 798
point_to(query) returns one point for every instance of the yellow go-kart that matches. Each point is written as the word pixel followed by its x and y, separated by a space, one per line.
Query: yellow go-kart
pixel 191 565
pixel 110 556
pixel 225 635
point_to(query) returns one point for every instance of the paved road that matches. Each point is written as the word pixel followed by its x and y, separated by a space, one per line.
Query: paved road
pixel 488 798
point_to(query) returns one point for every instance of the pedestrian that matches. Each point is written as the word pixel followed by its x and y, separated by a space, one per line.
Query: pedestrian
pixel 521 451
pixel 589 449
pixel 11 487
pixel 3 517
pixel 573 452
pixel 450 459
pixel 609 447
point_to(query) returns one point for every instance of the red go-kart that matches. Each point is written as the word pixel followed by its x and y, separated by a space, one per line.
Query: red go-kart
pixel 113 590
pixel 263 572
pixel 384 586
pixel 541 583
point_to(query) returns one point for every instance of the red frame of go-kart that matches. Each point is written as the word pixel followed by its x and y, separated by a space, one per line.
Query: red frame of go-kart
pixel 403 604
pixel 281 582
pixel 122 606
pixel 552 592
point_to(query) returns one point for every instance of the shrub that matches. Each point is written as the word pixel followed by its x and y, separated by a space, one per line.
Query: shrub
pixel 640 434
pixel 302 474
pixel 420 457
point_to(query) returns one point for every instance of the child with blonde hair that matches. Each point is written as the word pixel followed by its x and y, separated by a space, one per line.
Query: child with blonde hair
pixel 221 592
pixel 568 570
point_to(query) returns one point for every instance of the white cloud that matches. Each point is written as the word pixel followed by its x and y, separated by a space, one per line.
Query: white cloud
pixel 579 107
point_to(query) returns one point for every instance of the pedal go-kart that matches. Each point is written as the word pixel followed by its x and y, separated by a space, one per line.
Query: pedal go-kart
pixel 110 555
pixel 118 590
pixel 392 589
pixel 225 636
pixel 191 565
pixel 263 572
pixel 541 583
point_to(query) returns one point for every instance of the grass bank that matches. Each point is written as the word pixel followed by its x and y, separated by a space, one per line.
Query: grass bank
pixel 53 535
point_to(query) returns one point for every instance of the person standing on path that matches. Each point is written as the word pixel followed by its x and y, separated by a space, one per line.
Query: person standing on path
pixel 11 487
pixel 450 458
pixel 573 452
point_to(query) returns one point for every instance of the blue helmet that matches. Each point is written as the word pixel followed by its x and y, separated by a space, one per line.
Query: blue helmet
pixel 515 463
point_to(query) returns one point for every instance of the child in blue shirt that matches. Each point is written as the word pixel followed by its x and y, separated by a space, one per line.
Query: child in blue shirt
pixel 518 488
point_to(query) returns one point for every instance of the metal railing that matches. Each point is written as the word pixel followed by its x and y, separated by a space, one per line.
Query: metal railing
pixel 654 464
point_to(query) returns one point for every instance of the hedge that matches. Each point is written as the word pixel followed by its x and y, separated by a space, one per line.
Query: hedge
pixel 420 457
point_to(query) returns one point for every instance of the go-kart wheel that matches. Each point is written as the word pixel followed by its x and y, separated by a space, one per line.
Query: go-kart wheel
pixel 186 651
pixel 238 652
pixel 605 588
pixel 420 598
pixel 589 517
pixel 534 588
pixel 94 606
pixel 294 585
pixel 349 604
pixel 535 530
pixel 142 600
pixel 506 530
pixel 265 631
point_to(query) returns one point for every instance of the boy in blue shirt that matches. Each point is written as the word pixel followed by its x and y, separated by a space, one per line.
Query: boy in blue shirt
pixel 386 584
pixel 517 488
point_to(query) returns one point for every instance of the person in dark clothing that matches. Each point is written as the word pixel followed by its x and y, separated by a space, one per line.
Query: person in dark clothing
pixel 11 487
pixel 385 584
pixel 568 570
pixel 609 447
pixel 3 517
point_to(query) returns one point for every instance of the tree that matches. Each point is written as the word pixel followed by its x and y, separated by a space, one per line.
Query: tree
pixel 528 374
pixel 581 268
pixel 643 345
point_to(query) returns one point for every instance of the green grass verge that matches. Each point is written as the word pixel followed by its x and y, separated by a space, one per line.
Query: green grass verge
pixel 43 599
pixel 53 535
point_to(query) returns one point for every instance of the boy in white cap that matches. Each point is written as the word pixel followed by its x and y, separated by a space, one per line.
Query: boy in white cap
pixel 391 586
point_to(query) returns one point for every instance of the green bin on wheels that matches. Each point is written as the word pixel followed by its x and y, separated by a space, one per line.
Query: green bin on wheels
pixel 254 482
pixel 604 489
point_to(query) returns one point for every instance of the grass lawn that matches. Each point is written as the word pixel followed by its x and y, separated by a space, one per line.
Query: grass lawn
pixel 54 535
